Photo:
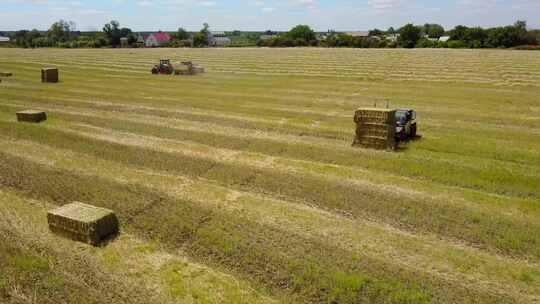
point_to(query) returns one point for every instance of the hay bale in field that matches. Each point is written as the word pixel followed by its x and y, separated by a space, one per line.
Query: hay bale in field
pixel 375 128
pixel 49 75
pixel 82 222
pixel 31 116
pixel 375 115
pixel 197 69
pixel 6 74
pixel 188 68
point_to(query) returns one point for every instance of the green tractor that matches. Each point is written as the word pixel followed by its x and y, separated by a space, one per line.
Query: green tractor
pixel 167 68
pixel 164 67
pixel 405 124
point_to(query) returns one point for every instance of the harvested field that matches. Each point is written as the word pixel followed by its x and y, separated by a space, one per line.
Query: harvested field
pixel 240 185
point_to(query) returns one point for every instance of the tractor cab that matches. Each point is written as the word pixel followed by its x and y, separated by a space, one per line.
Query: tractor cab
pixel 164 67
pixel 405 124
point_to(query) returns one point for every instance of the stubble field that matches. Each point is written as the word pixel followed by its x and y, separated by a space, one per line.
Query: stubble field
pixel 241 185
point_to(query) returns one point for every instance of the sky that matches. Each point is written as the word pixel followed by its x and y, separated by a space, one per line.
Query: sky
pixel 255 15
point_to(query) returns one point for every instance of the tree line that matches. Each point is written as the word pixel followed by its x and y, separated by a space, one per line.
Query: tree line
pixel 64 34
pixel 412 36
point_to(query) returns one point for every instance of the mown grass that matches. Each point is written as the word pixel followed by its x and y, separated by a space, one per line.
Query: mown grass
pixel 310 270
pixel 497 231
pixel 279 129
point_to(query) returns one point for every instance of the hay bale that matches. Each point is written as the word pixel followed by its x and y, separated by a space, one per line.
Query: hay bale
pixel 6 74
pixel 375 128
pixel 49 75
pixel 82 222
pixel 375 115
pixel 31 116
pixel 198 69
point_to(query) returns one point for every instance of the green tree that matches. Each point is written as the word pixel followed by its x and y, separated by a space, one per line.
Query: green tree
pixel 433 30
pixel 113 33
pixel 302 35
pixel 459 33
pixel 181 34
pixel 27 39
pixel 61 31
pixel 409 36
pixel 376 32
pixel 201 39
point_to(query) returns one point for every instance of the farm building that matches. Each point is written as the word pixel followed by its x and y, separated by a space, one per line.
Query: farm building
pixel 4 39
pixel 268 35
pixel 358 34
pixel 392 37
pixel 124 42
pixel 157 39
pixel 218 39
pixel 218 34
pixel 444 38
pixel 140 41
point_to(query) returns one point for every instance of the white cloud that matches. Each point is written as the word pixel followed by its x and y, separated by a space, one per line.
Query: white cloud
pixel 207 3
pixel 385 5
pixel 303 3
pixel 145 3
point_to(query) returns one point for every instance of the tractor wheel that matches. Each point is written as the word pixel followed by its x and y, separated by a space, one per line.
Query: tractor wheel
pixel 155 70
pixel 413 131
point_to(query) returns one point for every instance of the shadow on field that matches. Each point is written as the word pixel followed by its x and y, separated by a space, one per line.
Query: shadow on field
pixel 104 242
pixel 404 143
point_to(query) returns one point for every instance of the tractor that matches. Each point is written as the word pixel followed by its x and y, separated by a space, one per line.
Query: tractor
pixel 186 68
pixel 405 124
pixel 164 67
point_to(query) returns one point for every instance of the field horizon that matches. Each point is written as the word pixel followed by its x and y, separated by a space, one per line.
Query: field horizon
pixel 240 185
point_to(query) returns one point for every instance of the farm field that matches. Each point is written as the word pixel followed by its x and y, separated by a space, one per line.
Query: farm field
pixel 240 185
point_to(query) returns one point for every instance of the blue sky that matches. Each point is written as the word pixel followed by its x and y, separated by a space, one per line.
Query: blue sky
pixel 265 14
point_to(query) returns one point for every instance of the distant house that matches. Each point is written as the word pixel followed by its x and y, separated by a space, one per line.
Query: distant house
pixel 357 34
pixel 157 39
pixel 444 38
pixel 4 39
pixel 392 37
pixel 124 42
pixel 268 35
pixel 221 41
pixel 218 39
pixel 219 34
pixel 140 41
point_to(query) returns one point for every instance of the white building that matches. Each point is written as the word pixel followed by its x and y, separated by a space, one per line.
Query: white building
pixel 4 39
pixel 444 38
pixel 221 41
pixel 358 34
pixel 392 38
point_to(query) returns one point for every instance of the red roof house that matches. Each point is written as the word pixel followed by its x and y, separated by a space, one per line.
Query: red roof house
pixel 157 39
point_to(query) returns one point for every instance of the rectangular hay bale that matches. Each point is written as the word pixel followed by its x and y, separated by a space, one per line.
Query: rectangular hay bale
pixel 49 75
pixel 6 74
pixel 82 222
pixel 374 142
pixel 375 128
pixel 31 116
pixel 375 115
